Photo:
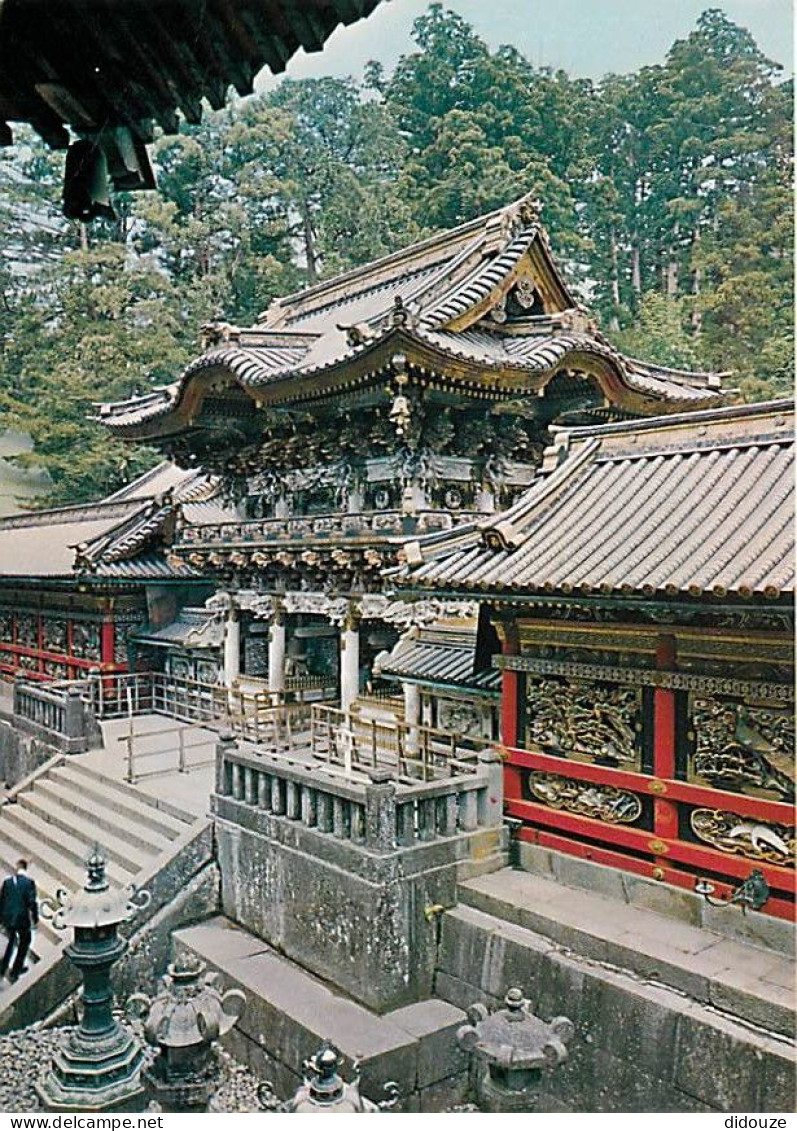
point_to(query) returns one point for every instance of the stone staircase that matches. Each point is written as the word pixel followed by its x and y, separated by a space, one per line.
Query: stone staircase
pixel 60 813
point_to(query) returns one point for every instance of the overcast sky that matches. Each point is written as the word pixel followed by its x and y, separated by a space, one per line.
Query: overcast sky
pixel 587 38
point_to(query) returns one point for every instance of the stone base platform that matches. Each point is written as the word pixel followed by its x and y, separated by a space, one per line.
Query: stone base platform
pixel 669 1017
pixel 749 982
pixel 289 1014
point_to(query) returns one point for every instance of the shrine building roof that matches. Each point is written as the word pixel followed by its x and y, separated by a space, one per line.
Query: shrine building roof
pixel 482 312
pixel 118 538
pixel 440 657
pixel 685 505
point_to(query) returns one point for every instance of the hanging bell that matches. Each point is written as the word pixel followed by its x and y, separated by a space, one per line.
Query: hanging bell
pixel 400 413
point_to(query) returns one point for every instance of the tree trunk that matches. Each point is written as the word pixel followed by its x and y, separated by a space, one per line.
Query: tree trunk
pixel 636 266
pixel 309 244
pixel 614 321
pixel 696 317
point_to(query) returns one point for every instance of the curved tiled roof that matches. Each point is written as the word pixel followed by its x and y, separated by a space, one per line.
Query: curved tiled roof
pixel 697 503
pixel 480 283
pixel 430 296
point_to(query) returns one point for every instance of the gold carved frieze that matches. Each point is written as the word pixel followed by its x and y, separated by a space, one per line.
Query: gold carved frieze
pixel 600 802
pixel 732 833
pixel 585 720
pixel 742 747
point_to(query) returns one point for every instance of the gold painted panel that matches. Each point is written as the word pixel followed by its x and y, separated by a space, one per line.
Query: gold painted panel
pixel 585 720
pixel 741 746
pixel 756 840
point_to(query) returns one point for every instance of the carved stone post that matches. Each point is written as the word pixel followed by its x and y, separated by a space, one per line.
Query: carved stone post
pixel 380 812
pixel 74 714
pixel 349 660
pixel 412 715
pixel 232 645
pixel 491 799
pixel 276 651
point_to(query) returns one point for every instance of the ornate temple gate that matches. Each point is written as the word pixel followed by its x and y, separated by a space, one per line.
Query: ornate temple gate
pixel 645 765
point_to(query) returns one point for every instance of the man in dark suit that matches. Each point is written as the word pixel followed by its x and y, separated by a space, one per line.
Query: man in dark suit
pixel 19 914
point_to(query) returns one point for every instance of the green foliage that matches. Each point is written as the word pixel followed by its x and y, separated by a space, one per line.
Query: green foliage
pixel 659 333
pixel 667 194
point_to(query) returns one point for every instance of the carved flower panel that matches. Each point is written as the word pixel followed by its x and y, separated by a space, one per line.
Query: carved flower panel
pixel 459 717
pixel 743 836
pixel 54 636
pixel 86 640
pixel 28 630
pixel 740 747
pixel 589 720
pixel 601 802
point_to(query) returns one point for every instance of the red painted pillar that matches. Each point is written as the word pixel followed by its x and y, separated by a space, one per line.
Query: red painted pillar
pixel 665 813
pixel 71 672
pixel 108 639
pixel 510 698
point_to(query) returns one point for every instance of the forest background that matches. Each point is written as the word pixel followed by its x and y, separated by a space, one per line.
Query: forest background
pixel 667 194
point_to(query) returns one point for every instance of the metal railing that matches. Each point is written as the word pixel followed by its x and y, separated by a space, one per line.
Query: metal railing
pixel 135 756
pixel 410 752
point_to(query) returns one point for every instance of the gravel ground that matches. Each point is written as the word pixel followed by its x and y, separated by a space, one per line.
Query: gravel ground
pixel 25 1057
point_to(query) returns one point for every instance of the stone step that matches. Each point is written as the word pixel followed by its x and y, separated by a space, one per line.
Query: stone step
pixel 136 806
pixel 106 818
pixel 289 1014
pixel 77 768
pixel 69 873
pixel 749 982
pixel 70 840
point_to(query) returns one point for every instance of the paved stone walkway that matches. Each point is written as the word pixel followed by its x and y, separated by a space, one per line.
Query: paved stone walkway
pixel 155 760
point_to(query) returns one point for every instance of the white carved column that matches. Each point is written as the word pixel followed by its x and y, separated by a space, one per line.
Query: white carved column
pixel 349 659
pixel 412 714
pixel 276 651
pixel 232 645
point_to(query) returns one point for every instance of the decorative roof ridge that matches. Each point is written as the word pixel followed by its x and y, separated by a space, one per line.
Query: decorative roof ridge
pixel 481 277
pixel 125 537
pixel 480 227
pixel 123 493
pixel 707 416
pixel 708 378
pixel 74 512
pixel 505 531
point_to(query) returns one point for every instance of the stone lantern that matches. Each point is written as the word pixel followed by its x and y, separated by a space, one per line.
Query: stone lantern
pixel 98 1066
pixel 184 1019
pixel 511 1048
pixel 324 1092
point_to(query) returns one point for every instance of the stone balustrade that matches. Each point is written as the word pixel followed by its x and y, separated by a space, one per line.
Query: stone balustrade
pixel 369 810
pixel 57 714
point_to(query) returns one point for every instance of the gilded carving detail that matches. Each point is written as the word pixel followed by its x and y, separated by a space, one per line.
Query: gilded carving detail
pixel 601 802
pixel 592 720
pixel 738 747
pixel 732 833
